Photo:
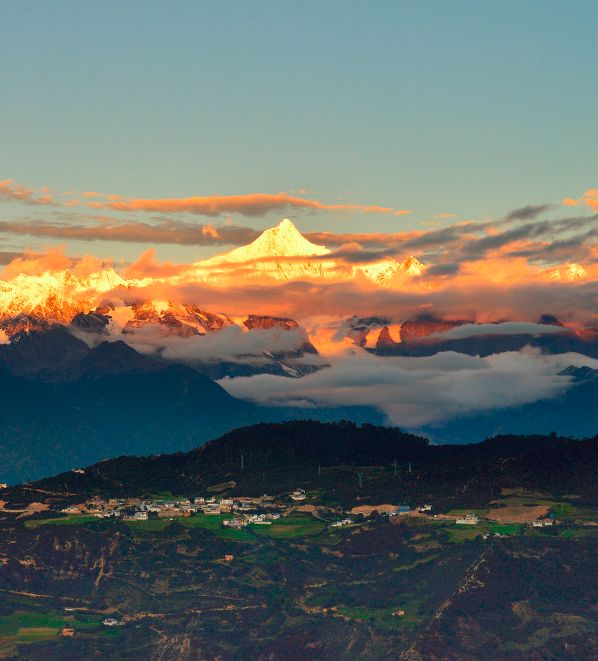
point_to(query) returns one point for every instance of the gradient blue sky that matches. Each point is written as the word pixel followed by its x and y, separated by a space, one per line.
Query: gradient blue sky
pixel 471 108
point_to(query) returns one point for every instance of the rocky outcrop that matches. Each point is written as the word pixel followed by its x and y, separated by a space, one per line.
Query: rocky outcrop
pixel 385 344
pixel 424 325
pixel 255 322
pixel 179 319
pixel 91 322
pixel 261 322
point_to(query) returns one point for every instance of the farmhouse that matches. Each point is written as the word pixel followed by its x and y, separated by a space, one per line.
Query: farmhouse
pixel 298 494
pixel 468 520
pixel 110 622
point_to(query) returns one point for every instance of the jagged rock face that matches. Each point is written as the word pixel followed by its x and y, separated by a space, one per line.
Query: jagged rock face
pixel 257 322
pixel 263 322
pixel 385 341
pixel 91 322
pixel 183 320
pixel 359 328
pixel 549 320
pixel 23 323
pixel 425 325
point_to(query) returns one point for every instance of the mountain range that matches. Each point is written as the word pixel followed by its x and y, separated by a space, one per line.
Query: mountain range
pixel 91 367
pixel 280 253
pixel 104 302
pixel 283 253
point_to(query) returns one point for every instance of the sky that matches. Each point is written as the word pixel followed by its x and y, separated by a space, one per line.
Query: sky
pixel 452 112
pixel 150 136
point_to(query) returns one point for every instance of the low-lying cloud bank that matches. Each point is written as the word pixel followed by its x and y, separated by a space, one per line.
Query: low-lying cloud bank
pixel 479 301
pixel 414 392
pixel 505 328
pixel 230 344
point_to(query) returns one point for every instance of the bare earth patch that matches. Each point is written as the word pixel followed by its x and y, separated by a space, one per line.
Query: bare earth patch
pixel 518 513
pixel 312 509
pixel 33 508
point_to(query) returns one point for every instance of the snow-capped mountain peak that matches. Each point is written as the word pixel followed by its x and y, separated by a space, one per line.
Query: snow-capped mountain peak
pixel 283 253
pixel 283 240
pixel 104 281
pixel 54 296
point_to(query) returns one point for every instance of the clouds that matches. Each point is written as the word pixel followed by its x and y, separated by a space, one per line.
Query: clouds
pixel 519 234
pixel 461 297
pixel 11 191
pixel 418 391
pixel 505 328
pixel 35 263
pixel 231 344
pixel 528 213
pixel 589 198
pixel 148 267
pixel 249 204
pixel 252 204
pixel 522 234
pixel 160 232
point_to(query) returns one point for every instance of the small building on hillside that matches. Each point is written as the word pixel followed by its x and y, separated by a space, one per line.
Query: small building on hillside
pixel 298 494
pixel 72 509
pixel 110 622
pixel 468 520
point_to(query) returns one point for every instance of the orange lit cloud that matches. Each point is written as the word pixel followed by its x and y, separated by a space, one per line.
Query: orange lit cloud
pixel 147 266
pixel 211 231
pixel 10 190
pixel 111 230
pixel 33 263
pixel 589 198
pixel 252 204
pixel 468 296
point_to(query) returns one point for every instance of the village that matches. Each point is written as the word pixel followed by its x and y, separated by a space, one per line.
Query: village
pixel 241 511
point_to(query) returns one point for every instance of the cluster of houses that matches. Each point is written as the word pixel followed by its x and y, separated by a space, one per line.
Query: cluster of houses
pixel 472 520
pixel 256 519
pixel 261 510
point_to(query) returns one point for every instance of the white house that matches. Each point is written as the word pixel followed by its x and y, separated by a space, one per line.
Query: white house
pixel 468 520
